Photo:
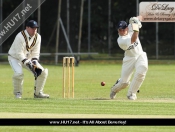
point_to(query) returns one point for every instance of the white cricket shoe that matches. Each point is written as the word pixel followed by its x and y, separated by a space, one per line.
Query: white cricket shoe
pixel 41 95
pixel 132 96
pixel 18 95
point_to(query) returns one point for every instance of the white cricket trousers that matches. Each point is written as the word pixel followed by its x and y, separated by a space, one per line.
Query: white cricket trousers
pixel 140 65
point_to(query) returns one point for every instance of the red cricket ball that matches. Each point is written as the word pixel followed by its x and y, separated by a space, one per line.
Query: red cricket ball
pixel 102 83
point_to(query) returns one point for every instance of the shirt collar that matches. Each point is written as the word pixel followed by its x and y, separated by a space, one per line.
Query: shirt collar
pixel 27 34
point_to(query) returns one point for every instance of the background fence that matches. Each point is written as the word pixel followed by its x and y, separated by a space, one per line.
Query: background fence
pixel 90 28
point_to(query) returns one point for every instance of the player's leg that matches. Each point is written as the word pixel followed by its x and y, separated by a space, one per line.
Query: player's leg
pixel 17 76
pixel 39 85
pixel 126 73
pixel 40 81
pixel 139 76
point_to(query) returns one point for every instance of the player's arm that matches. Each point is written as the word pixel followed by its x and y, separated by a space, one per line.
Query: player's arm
pixel 135 24
pixel 19 45
pixel 134 37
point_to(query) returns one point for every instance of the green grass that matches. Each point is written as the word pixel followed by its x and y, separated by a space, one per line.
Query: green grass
pixel 85 106
pixel 156 98
pixel 88 128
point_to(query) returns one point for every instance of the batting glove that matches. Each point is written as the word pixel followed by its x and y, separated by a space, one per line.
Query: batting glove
pixel 135 27
pixel 135 20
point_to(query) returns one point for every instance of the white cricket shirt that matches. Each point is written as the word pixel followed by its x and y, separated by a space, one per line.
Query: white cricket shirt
pixel 124 42
pixel 18 48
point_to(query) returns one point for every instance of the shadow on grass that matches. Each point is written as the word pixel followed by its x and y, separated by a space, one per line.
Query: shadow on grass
pixel 101 99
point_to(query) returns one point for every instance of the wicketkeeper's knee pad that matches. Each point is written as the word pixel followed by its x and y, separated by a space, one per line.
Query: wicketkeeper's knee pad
pixel 18 82
pixel 40 81
pixel 119 86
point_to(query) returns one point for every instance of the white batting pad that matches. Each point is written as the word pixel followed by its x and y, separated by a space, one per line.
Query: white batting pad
pixel 136 83
pixel 17 83
pixel 119 86
pixel 40 81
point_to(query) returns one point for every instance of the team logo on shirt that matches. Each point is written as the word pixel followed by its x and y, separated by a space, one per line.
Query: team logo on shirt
pixel 133 45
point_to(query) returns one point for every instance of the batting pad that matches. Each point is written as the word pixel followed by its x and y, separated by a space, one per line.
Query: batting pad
pixel 136 83
pixel 40 81
pixel 119 86
pixel 17 83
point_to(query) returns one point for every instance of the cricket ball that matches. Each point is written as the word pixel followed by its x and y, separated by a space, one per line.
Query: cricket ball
pixel 102 83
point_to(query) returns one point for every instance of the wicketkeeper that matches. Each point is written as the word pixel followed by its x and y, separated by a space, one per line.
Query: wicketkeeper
pixel 135 59
pixel 24 53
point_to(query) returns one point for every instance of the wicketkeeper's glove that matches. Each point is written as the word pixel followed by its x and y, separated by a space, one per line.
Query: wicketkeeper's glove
pixel 33 68
pixel 37 69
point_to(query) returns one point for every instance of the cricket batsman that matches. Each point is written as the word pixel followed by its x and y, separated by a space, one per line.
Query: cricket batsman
pixel 134 61
pixel 24 53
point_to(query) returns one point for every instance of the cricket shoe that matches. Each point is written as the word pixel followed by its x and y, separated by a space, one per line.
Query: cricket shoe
pixel 18 95
pixel 132 96
pixel 41 95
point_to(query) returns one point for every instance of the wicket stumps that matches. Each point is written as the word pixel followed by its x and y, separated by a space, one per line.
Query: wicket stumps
pixel 68 77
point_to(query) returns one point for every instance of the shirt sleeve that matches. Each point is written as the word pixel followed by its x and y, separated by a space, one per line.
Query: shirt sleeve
pixel 124 42
pixel 19 45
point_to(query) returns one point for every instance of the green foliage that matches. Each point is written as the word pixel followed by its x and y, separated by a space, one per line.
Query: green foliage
pixel 120 10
